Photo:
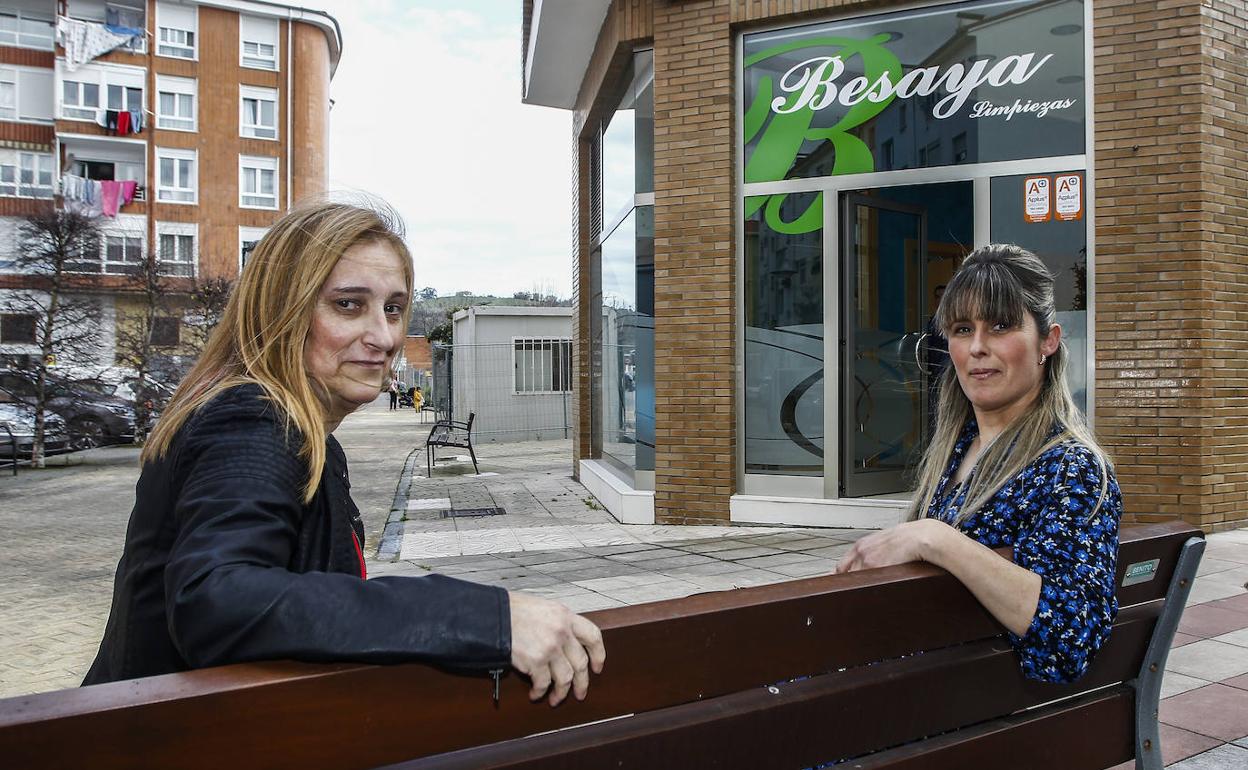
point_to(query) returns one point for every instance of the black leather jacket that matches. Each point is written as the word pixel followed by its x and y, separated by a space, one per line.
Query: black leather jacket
pixel 223 563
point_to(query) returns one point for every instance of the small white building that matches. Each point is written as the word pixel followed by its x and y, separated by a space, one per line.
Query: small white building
pixel 512 368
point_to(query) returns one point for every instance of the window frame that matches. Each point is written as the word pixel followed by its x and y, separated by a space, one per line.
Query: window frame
pixel 257 61
pixel 178 87
pixel 177 155
pixel 128 243
pixel 244 233
pixel 135 46
pixel 259 164
pixel 19 15
pixel 80 104
pixel 15 163
pixel 178 230
pixel 161 26
pixel 259 95
pixel 561 364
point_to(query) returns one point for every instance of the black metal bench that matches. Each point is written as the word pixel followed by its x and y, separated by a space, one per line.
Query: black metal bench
pixel 451 433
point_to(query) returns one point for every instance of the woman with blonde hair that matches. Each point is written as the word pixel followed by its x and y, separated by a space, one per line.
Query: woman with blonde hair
pixel 1013 464
pixel 244 543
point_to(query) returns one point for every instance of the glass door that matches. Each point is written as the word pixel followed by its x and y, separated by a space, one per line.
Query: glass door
pixel 884 387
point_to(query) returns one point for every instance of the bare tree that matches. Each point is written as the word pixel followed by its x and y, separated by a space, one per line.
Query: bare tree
pixel 54 245
pixel 138 340
pixel 208 299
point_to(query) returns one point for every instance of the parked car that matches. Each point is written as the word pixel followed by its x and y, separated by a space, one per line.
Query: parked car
pixel 20 420
pixel 92 413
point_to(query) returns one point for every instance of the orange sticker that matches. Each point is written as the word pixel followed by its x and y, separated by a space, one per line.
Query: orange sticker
pixel 1068 194
pixel 1036 199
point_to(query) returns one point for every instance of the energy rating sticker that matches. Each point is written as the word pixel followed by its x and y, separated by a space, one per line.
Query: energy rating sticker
pixel 1036 199
pixel 1069 194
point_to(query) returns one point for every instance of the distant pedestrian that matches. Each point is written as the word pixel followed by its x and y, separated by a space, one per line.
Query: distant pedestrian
pixel 394 393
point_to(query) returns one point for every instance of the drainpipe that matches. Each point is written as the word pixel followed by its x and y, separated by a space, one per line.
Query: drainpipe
pixel 290 37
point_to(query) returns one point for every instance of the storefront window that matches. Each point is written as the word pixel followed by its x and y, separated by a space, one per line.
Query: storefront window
pixel 625 263
pixel 784 341
pixel 1053 227
pixel 628 341
pixel 951 84
pixel 628 142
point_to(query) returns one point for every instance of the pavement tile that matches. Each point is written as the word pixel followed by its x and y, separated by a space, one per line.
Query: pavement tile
pixel 591 603
pixel 1237 603
pixel 1206 590
pixel 672 562
pixel 652 553
pixel 1209 659
pixel 1176 744
pixel 1205 621
pixel 571 565
pixel 1228 757
pixel 1237 681
pixel 1239 638
pixel 605 569
pixel 1216 710
pixel 749 552
pixel 1242 742
pixel 830 551
pixel 702 570
pixel 1181 639
pixel 1225 551
pixel 671 589
pixel 1209 565
pixel 1173 683
pixel 612 550
pixel 777 559
pixel 712 546
pixel 805 569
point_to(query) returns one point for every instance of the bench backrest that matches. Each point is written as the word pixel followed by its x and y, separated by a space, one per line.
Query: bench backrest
pixel 705 676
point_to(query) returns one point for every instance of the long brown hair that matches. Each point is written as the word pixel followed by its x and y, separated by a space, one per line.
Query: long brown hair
pixel 1001 283
pixel 262 332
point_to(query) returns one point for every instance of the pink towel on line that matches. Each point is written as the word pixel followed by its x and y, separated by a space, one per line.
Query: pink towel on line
pixel 127 191
pixel 110 197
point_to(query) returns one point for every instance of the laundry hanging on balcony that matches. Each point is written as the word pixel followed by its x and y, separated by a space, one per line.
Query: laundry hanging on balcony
pixel 121 122
pixel 85 41
pixel 94 198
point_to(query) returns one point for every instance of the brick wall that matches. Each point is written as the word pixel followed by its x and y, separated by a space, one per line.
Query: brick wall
pixel 1170 258
pixel 694 267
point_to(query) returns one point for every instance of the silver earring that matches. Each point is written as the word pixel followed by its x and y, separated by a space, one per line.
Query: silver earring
pixel 1042 357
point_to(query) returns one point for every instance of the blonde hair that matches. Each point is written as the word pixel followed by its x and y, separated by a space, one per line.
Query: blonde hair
pixel 261 336
pixel 999 283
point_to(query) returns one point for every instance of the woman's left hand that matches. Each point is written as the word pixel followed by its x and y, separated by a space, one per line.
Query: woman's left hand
pixel 911 541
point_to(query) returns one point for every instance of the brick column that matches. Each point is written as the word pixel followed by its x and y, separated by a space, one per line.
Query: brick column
pixel 1171 245
pixel 694 295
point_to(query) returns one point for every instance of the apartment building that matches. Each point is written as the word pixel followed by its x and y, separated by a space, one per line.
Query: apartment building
pixel 198 124
pixel 770 196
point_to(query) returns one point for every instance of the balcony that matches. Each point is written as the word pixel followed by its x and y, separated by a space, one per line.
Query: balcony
pixel 104 159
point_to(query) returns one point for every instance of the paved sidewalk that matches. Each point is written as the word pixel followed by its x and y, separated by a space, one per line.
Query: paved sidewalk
pixel 523 523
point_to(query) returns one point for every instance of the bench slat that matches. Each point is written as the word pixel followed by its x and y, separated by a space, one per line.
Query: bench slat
pixel 819 719
pixel 1091 732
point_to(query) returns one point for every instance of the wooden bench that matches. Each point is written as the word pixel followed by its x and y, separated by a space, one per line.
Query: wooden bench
pixel 704 681
pixel 451 433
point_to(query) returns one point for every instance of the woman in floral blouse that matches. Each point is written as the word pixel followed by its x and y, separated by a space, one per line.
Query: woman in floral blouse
pixel 1013 463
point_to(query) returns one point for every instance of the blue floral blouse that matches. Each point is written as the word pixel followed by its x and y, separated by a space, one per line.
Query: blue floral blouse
pixel 1043 513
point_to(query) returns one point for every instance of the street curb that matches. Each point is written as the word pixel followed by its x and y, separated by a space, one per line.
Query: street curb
pixel 392 538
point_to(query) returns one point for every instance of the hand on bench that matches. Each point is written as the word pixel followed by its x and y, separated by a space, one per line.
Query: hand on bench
pixel 554 647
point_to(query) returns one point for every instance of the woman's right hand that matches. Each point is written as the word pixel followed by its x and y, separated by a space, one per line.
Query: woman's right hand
pixel 553 646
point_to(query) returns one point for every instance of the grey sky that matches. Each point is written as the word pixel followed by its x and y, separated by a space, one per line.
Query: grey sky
pixel 427 116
